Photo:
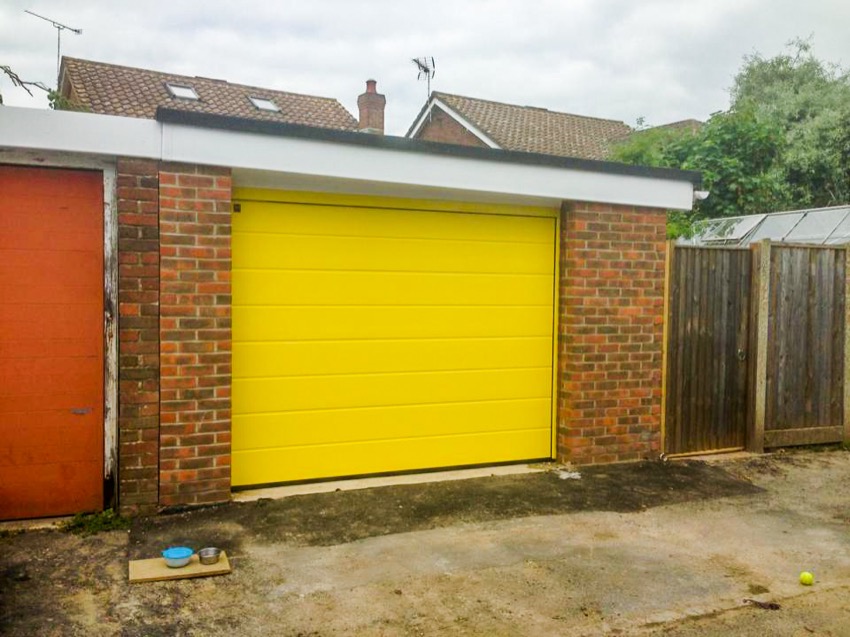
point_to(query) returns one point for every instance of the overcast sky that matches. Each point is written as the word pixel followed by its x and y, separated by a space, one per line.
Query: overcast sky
pixel 663 60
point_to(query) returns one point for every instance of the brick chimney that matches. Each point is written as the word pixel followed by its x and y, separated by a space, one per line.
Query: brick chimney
pixel 371 105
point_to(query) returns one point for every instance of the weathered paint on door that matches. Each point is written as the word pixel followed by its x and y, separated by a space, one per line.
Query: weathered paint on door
pixel 51 341
pixel 369 339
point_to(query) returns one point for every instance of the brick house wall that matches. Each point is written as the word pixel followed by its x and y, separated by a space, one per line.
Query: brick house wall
pixel 138 335
pixel 195 334
pixel 610 332
pixel 443 128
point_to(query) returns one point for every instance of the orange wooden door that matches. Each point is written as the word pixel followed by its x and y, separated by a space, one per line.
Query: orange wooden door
pixel 51 341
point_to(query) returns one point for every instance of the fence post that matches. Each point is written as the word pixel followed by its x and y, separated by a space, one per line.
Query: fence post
pixel 755 439
pixel 846 345
pixel 665 344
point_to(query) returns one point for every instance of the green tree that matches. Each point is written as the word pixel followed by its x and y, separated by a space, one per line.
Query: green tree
pixel 809 100
pixel 737 154
pixel 784 142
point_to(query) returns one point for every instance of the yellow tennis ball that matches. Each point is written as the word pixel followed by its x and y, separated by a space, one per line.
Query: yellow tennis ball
pixel 806 578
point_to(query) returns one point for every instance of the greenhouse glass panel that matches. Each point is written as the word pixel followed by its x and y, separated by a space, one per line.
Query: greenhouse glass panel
pixel 730 230
pixel 841 234
pixel 817 225
pixel 775 227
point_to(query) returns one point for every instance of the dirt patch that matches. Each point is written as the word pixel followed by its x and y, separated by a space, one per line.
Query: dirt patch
pixel 344 516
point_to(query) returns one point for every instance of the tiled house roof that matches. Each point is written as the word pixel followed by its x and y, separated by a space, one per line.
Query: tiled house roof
pixel 536 130
pixel 122 90
pixel 692 125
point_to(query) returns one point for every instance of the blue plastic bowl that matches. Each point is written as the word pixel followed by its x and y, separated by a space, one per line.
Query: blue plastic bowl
pixel 177 556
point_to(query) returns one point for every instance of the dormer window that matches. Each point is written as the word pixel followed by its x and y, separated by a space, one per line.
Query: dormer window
pixel 264 104
pixel 182 91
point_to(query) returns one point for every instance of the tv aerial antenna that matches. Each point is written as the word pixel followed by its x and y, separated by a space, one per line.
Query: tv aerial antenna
pixel 59 28
pixel 427 68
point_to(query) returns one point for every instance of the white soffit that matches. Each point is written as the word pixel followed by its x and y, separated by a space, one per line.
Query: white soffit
pixel 46 130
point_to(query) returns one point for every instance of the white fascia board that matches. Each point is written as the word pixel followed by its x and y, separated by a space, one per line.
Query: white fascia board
pixel 332 160
pixel 49 130
pixel 448 110
pixel 25 129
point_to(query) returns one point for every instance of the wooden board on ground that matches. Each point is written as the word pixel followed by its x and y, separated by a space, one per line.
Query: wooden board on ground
pixel 155 570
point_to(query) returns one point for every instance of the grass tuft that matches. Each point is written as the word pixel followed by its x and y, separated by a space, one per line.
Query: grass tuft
pixel 91 523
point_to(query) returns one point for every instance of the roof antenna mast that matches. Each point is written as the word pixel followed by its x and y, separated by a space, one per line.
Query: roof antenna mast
pixel 59 28
pixel 427 68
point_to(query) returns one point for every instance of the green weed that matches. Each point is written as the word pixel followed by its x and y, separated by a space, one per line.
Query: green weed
pixel 91 523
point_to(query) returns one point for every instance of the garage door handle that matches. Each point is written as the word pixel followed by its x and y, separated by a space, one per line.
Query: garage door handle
pixel 81 411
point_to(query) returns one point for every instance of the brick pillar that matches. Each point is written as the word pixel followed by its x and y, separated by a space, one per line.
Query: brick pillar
pixel 195 337
pixel 610 332
pixel 138 336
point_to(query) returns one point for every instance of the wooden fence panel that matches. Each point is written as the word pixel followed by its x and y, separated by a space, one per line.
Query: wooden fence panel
pixel 708 323
pixel 805 357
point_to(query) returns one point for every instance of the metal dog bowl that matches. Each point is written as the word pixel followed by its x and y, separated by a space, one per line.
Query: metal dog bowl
pixel 209 555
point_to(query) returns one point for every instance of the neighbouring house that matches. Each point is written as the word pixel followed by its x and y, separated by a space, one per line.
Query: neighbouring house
pixel 690 125
pixel 469 121
pixel 196 300
pixel 455 119
pixel 111 89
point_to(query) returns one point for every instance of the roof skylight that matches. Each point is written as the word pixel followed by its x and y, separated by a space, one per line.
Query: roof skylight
pixel 182 91
pixel 264 104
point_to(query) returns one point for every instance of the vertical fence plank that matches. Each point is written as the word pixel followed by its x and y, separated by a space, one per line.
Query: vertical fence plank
pixel 665 339
pixel 756 439
pixel 845 377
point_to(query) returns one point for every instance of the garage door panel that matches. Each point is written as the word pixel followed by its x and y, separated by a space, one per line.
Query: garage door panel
pixel 295 358
pixel 51 341
pixel 65 239
pixel 33 184
pixel 274 251
pixel 305 428
pixel 369 340
pixel 55 330
pixel 259 395
pixel 345 459
pixel 54 268
pixel 314 287
pixel 41 445
pixel 21 377
pixel 62 487
pixel 269 323
pixel 305 219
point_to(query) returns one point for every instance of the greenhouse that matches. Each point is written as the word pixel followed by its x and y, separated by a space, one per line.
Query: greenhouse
pixel 821 226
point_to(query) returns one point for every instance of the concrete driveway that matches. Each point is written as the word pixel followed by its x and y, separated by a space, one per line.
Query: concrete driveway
pixel 653 548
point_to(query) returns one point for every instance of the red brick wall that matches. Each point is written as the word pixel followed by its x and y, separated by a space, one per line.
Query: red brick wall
pixel 445 129
pixel 610 332
pixel 138 336
pixel 195 334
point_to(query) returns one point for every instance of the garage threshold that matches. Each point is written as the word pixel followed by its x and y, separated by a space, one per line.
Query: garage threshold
pixel 354 484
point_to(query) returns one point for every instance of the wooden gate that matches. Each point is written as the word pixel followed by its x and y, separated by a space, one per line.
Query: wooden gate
pixel 708 326
pixel 805 345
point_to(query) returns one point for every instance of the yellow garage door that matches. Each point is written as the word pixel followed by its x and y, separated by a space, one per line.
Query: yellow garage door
pixel 371 339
